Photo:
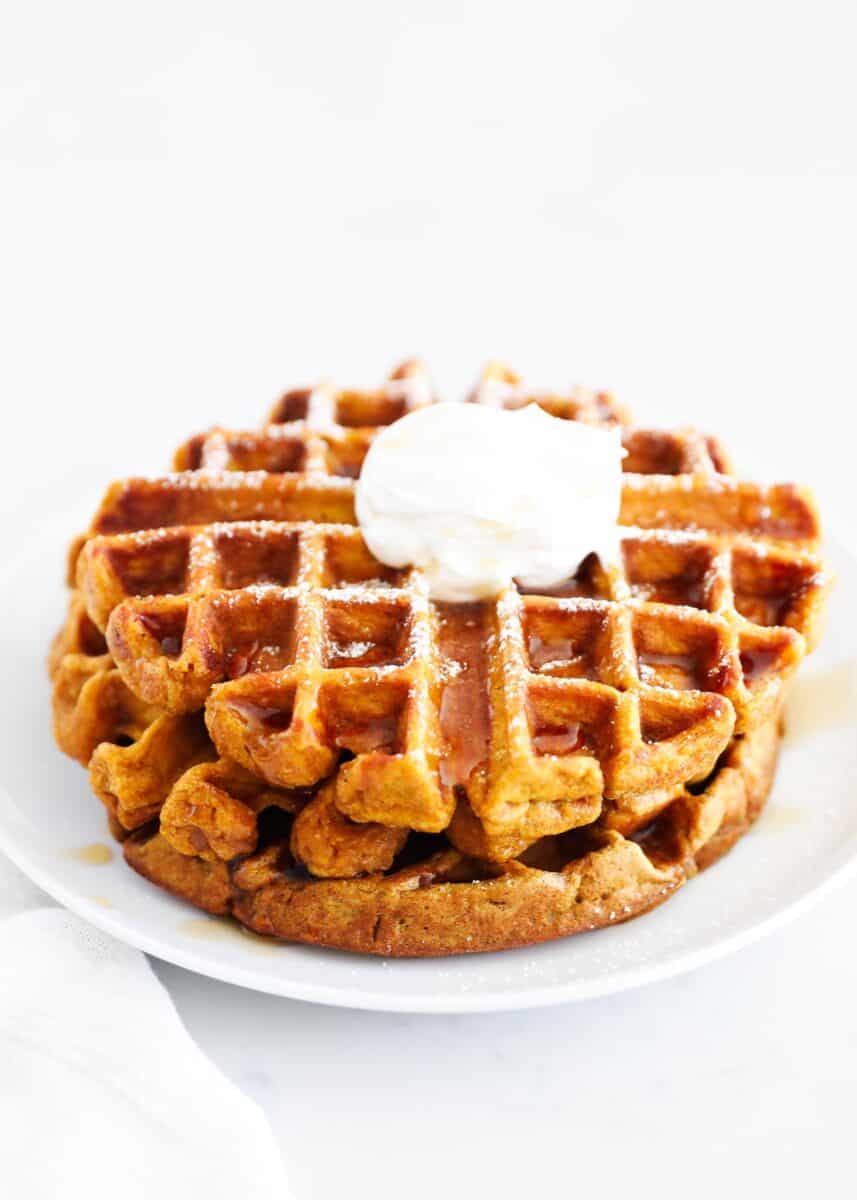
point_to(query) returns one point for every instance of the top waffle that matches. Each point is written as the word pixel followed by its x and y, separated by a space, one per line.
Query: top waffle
pixel 240 584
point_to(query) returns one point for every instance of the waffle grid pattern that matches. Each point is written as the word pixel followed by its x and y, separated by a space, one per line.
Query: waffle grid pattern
pixel 339 698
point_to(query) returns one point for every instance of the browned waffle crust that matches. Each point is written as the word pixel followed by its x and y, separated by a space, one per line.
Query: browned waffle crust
pixel 448 903
pixel 293 733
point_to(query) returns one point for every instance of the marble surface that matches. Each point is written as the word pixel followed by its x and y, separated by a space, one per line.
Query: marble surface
pixel 747 1065
pixel 208 204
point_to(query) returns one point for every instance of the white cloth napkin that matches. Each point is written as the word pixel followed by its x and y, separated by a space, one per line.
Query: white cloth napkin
pixel 103 1093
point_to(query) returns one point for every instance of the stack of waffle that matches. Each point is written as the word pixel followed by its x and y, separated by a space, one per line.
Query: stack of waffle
pixel 284 729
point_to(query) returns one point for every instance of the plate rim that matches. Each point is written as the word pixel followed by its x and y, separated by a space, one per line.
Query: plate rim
pixel 628 979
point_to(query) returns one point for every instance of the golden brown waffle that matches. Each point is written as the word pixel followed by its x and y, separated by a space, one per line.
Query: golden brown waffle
pixel 333 688
pixel 500 387
pixel 135 751
pixel 448 903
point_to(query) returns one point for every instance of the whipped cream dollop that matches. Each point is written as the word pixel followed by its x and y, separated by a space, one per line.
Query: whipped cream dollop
pixel 478 496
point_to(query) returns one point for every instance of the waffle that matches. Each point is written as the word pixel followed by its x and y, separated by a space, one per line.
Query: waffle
pixel 449 903
pixel 284 728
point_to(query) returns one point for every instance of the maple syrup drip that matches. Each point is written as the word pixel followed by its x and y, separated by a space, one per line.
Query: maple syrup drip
pixel 276 719
pixel 761 610
pixel 379 734
pixel 782 816
pixel 560 656
pixel 669 670
pixel 96 854
pixel 163 630
pixel 827 699
pixel 544 653
pixel 757 662
pixel 211 928
pixel 464 716
pixel 559 739
pixel 689 592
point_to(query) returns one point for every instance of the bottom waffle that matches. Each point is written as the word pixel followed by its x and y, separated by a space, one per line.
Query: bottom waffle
pixel 436 901
pixel 212 833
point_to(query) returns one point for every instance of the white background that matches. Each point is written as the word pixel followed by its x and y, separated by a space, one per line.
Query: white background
pixel 204 203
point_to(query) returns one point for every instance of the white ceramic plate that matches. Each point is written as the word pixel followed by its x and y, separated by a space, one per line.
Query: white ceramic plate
pixel 54 829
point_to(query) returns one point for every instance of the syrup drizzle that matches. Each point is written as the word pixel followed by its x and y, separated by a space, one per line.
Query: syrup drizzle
pixel 757 663
pixel 464 714
pixel 96 854
pixel 271 717
pixel 376 734
pixel 559 739
pixel 669 670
